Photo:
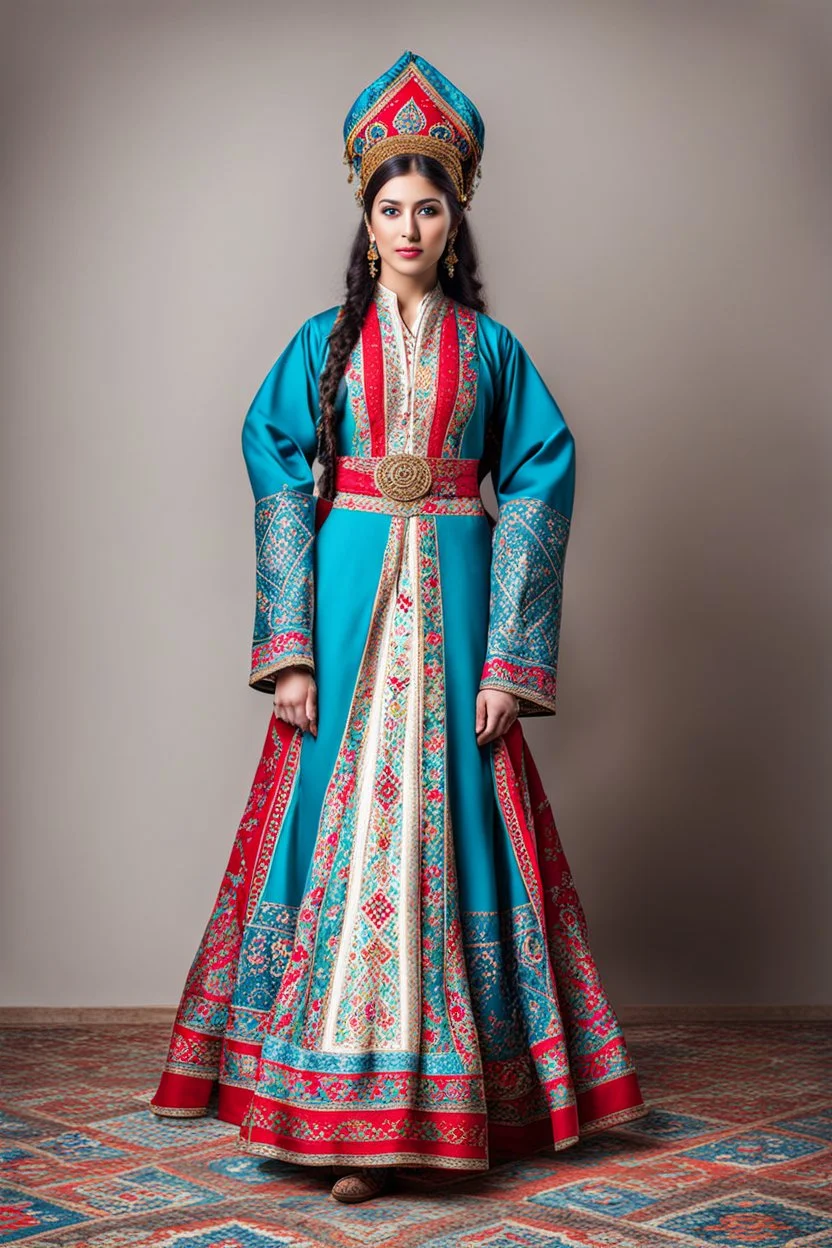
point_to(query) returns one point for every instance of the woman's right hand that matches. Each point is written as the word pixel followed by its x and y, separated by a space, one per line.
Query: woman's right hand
pixel 296 698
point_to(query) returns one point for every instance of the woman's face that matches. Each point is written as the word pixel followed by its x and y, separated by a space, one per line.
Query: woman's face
pixel 410 212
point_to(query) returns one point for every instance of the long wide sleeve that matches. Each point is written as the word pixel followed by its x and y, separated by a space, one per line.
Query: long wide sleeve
pixel 279 440
pixel 534 483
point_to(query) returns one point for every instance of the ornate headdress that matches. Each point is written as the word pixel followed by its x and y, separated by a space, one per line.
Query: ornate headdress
pixel 412 107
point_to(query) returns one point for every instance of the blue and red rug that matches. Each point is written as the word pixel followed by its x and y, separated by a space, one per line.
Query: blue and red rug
pixel 736 1151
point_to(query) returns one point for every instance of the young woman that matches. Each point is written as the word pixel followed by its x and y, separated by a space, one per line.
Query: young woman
pixel 397 971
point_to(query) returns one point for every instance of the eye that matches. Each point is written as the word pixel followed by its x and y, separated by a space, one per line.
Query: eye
pixel 430 209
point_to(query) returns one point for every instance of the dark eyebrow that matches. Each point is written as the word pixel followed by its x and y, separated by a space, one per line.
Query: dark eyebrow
pixel 431 199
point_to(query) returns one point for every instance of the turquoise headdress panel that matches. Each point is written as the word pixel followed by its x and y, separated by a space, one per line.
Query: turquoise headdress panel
pixel 412 107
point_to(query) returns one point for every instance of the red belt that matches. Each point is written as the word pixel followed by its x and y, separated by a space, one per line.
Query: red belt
pixel 407 477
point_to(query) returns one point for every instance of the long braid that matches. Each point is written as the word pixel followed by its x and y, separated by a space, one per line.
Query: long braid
pixel 465 287
pixel 342 339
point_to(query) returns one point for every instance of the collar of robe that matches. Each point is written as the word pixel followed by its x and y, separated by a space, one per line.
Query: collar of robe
pixel 391 298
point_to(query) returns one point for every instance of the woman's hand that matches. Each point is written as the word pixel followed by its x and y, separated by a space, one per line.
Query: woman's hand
pixel 496 712
pixel 296 698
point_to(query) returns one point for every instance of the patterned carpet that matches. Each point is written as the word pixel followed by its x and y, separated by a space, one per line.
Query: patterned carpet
pixel 737 1150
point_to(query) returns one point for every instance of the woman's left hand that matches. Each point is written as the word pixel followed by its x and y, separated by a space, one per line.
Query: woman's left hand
pixel 496 712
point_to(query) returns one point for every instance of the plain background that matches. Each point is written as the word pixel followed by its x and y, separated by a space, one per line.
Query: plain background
pixel 653 221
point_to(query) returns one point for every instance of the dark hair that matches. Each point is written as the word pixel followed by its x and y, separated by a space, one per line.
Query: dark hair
pixel 464 286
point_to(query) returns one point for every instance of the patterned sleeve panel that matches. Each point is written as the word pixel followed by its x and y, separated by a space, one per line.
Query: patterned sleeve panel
pixel 279 439
pixel 534 482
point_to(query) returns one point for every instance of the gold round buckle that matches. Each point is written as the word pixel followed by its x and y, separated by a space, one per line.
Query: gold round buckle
pixel 403 476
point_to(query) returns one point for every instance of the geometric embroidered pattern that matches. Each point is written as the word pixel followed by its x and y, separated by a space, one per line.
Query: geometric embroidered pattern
pixel 284 526
pixel 528 552
pixel 378 909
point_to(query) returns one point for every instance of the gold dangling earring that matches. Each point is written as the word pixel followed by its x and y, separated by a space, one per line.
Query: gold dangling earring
pixel 372 256
pixel 451 258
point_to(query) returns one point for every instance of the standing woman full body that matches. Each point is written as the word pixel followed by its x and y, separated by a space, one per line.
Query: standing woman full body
pixel 397 969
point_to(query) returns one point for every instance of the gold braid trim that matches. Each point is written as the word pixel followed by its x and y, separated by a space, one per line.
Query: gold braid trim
pixel 162 1112
pixel 613 1120
pixel 397 144
pixel 417 1160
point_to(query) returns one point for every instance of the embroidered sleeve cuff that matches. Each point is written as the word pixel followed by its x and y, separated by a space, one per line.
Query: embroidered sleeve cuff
pixel 528 549
pixel 289 650
pixel 284 526
pixel 534 687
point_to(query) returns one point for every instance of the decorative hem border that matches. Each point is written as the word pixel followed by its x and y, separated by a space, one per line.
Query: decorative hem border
pixel 163 1111
pixel 506 1142
pixel 415 1160
pixel 616 1119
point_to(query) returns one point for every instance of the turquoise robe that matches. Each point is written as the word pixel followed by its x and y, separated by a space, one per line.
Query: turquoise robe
pixel 397 968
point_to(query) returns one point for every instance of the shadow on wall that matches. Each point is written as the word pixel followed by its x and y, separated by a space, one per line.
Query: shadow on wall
pixel 694 720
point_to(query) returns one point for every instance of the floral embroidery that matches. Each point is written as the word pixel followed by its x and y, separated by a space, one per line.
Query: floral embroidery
pixel 356 399
pixel 264 952
pixel 466 396
pixel 205 1019
pixel 555 940
pixel 375 998
pixel 301 1004
pixel 528 551
pixel 426 375
pixel 284 525
pixel 394 371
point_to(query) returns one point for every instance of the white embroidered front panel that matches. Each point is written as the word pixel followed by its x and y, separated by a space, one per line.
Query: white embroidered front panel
pixel 374 1001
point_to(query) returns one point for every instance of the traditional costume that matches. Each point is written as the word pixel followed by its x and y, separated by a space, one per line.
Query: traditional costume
pixel 397 970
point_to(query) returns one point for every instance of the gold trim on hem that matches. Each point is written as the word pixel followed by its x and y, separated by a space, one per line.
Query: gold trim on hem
pixel 416 1160
pixel 162 1112
pixel 559 1145
pixel 611 1120
pixel 193 1072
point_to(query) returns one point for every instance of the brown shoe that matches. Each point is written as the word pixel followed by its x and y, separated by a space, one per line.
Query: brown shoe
pixel 362 1184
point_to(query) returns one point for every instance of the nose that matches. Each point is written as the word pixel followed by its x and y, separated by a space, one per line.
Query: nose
pixel 411 229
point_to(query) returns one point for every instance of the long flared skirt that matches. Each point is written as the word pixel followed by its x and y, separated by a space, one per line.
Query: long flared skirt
pixel 397 968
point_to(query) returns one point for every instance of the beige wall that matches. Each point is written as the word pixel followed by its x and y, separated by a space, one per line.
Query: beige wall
pixel 653 225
